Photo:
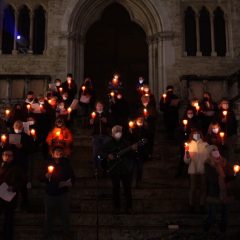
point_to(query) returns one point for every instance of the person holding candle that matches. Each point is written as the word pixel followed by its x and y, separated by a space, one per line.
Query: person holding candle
pixel 196 157
pixel 12 175
pixel 60 135
pixel 216 179
pixel 24 150
pixel 208 111
pixel 70 87
pixel 59 177
pixel 169 106
pixel 99 123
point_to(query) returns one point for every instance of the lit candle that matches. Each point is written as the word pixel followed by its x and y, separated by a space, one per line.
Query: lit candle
pixel 186 146
pixel 41 107
pixel 164 97
pixel 58 133
pixel 185 122
pixel 69 110
pixel 131 124
pixel 112 94
pixel 222 135
pixel 50 171
pixel 115 81
pixel 50 101
pixel 33 133
pixel 142 89
pixel 83 88
pixel 225 114
pixel 3 138
pixel 93 115
pixel 145 112
pixel 69 83
pixel 197 108
pixel 236 169
pixel 60 89
pixel 7 112
pixel 28 107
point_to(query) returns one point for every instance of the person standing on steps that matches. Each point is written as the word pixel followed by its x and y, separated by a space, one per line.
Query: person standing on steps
pixel 120 168
pixel 59 177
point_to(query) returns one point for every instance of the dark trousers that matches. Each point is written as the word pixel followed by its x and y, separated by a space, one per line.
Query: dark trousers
pixel 57 206
pixel 213 210
pixel 126 182
pixel 7 209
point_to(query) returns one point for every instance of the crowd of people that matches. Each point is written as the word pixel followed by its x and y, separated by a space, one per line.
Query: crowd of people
pixel 122 140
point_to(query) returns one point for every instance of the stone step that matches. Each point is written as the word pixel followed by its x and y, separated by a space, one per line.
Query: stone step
pixel 129 233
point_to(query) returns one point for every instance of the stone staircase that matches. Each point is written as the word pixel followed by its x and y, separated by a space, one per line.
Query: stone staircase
pixel 160 205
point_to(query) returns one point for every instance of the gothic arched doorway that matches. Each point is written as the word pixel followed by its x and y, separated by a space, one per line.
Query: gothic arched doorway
pixel 115 44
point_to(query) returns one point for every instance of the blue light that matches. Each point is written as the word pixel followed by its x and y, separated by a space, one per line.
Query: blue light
pixel 18 37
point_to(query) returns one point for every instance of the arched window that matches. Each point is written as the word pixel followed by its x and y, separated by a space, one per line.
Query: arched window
pixel 190 32
pixel 8 30
pixel 23 29
pixel 205 32
pixel 219 32
pixel 39 30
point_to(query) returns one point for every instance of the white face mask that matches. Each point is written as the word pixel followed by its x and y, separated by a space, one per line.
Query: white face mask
pixel 140 81
pixel 61 107
pixel 99 112
pixel 41 102
pixel 117 135
pixel 17 130
pixel 215 130
pixel 31 122
pixel 196 136
pixel 64 98
pixel 215 154
pixel 58 84
pixel 190 115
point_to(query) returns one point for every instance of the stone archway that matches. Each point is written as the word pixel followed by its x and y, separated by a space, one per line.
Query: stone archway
pixel 79 17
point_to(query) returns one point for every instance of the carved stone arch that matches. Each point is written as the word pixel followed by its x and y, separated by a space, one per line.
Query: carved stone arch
pixel 79 17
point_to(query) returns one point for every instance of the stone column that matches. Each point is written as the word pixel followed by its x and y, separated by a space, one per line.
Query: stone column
pixel 1 27
pixel 213 53
pixel 198 35
pixel 227 36
pixel 14 51
pixel 150 63
pixel 46 33
pixel 30 50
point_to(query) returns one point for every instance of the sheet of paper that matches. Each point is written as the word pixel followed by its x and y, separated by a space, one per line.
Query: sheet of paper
pixel 5 194
pixel 52 86
pixel 26 127
pixel 14 139
pixel 36 108
pixel 74 105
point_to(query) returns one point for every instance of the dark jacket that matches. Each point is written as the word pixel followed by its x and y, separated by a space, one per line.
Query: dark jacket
pixel 100 127
pixel 123 165
pixel 62 172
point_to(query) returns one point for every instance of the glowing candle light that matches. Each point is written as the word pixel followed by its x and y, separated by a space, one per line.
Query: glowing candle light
pixel 69 110
pixel 164 97
pixel 145 112
pixel 185 122
pixel 236 169
pixel 50 171
pixel 186 146
pixel 50 101
pixel 112 94
pixel 7 112
pixel 60 89
pixel 222 135
pixel 225 114
pixel 115 81
pixel 3 138
pixel 83 88
pixel 28 107
pixel 93 115
pixel 69 83
pixel 131 124
pixel 33 133
pixel 58 133
pixel 197 108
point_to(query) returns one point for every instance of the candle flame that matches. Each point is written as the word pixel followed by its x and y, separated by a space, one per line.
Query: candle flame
pixel 3 138
pixel 236 168
pixel 33 132
pixel 131 124
pixel 93 115
pixel 185 122
pixel 7 112
pixel 50 169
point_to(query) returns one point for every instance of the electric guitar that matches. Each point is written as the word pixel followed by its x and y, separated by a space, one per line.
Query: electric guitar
pixel 109 165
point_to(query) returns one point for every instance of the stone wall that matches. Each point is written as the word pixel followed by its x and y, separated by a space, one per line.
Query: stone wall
pixel 54 62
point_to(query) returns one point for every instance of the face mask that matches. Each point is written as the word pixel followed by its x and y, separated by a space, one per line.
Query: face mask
pixel 117 135
pixel 31 122
pixel 64 98
pixel 61 107
pixel 190 115
pixel 99 112
pixel 215 154
pixel 17 130
pixel 141 81
pixel 58 84
pixel 196 136
pixel 225 106
pixel 215 130
pixel 41 102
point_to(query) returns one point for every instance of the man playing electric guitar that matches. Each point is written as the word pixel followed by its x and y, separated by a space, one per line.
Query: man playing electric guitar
pixel 120 167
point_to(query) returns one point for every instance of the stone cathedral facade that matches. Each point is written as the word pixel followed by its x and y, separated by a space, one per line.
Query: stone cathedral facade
pixel 193 41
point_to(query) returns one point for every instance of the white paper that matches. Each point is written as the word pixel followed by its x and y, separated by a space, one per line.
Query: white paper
pixel 15 139
pixel 26 127
pixel 5 194
pixel 74 104
pixel 36 108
